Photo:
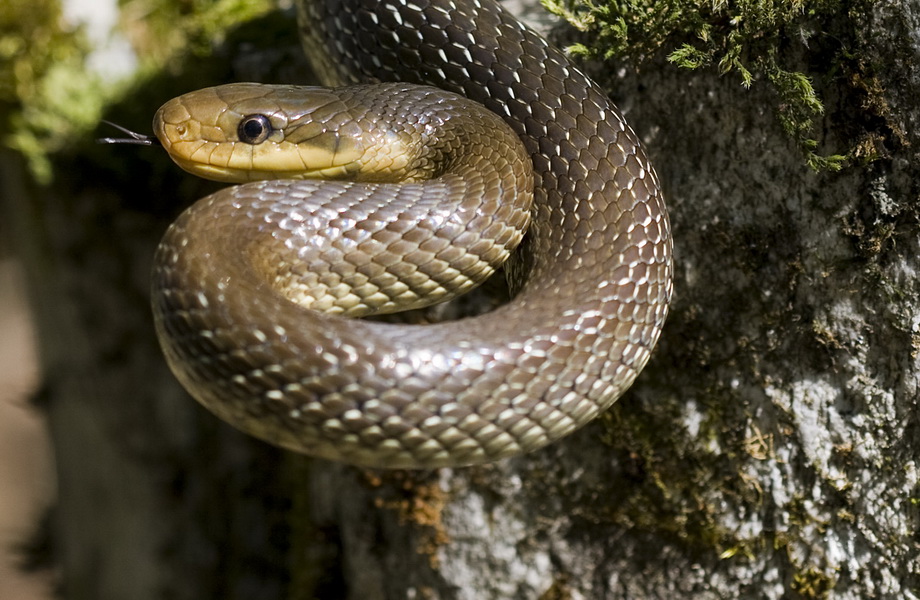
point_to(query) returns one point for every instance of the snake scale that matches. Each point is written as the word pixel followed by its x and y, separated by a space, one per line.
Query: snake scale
pixel 235 280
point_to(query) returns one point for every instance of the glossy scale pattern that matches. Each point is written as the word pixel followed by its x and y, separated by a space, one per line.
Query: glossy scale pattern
pixel 594 282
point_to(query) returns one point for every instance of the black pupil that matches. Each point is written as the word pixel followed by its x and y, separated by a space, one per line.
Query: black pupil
pixel 254 129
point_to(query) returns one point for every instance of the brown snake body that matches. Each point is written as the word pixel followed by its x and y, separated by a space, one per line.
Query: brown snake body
pixel 233 287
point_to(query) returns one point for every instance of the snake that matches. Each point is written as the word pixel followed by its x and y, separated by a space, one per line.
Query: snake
pixel 452 145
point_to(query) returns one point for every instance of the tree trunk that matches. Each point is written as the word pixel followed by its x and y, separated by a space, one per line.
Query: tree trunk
pixel 769 450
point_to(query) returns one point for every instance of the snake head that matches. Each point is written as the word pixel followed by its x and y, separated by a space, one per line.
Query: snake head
pixel 246 132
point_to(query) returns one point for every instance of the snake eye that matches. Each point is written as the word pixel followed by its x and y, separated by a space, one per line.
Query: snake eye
pixel 254 129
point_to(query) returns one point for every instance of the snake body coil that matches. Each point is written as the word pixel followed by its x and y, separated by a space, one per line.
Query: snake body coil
pixel 234 290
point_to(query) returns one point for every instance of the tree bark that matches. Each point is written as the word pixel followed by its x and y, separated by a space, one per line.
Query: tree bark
pixel 769 450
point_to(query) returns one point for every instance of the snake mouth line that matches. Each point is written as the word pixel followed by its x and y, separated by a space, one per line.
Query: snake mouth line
pixel 227 174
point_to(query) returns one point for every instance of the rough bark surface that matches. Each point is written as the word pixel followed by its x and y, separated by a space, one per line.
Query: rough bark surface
pixel 768 451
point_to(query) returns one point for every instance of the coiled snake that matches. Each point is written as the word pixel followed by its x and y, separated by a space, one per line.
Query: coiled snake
pixel 241 278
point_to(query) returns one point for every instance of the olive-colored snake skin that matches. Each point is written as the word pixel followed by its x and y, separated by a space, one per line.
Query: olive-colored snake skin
pixel 592 288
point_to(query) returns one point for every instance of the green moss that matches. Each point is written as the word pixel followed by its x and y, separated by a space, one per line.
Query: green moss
pixel 49 97
pixel 812 584
pixel 172 29
pixel 671 491
pixel 44 93
pixel 747 39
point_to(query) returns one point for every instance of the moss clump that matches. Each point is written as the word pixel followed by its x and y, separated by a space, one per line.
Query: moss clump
pixel 44 92
pixel 812 584
pixel 49 93
pixel 745 38
pixel 669 493
pixel 165 30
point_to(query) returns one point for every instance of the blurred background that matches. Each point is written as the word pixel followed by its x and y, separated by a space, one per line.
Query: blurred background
pixel 26 480
pixel 63 64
